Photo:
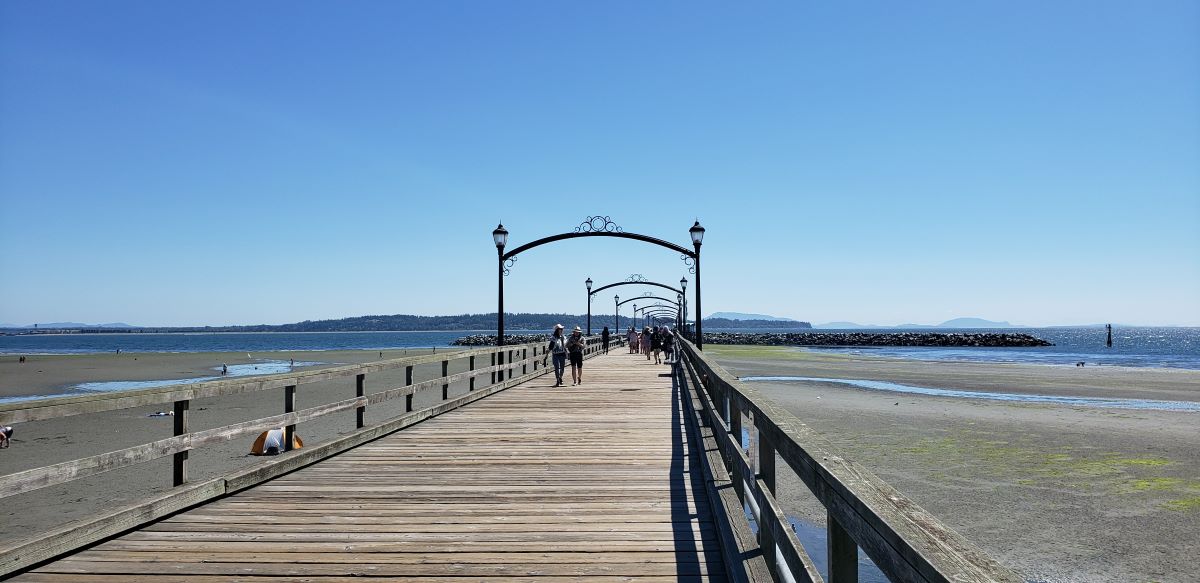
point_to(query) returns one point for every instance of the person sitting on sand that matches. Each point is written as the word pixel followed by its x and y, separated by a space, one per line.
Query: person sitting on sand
pixel 6 436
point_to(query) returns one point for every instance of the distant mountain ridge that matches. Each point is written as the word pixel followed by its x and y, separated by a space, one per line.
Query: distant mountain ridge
pixel 741 316
pixel 954 323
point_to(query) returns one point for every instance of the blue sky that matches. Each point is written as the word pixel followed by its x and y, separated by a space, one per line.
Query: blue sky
pixel 232 163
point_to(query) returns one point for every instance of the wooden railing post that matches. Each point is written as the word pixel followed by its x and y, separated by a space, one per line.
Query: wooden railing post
pixel 509 358
pixel 843 553
pixel 735 428
pixel 494 364
pixel 471 367
pixel 289 406
pixel 408 378
pixel 766 473
pixel 445 382
pixel 360 382
pixel 181 428
pixel 524 361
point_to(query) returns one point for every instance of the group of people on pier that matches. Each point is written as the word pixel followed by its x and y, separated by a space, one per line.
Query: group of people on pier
pixel 656 341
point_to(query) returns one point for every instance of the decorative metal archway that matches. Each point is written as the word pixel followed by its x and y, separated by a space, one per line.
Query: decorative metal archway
pixel 594 226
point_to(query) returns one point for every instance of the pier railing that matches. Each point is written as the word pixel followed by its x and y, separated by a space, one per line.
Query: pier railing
pixel 506 366
pixel 904 541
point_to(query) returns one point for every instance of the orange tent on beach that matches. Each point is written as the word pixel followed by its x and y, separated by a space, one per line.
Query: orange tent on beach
pixel 271 443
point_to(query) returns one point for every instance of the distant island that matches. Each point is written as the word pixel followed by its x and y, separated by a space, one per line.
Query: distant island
pixel 955 323
pixel 407 323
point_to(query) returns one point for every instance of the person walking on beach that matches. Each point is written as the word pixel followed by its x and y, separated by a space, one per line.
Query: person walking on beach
pixel 224 369
pixel 6 436
pixel 604 339
pixel 575 350
pixel 558 351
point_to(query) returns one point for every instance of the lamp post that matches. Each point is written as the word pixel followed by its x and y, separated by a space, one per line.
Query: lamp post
pixel 697 233
pixel 500 236
pixel 683 286
pixel 616 314
pixel 588 283
pixel 680 316
pixel 635 321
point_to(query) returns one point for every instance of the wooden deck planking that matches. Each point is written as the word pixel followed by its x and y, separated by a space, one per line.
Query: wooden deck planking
pixel 584 483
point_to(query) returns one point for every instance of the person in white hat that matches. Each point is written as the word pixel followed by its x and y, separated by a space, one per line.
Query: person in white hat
pixel 575 351
pixel 558 350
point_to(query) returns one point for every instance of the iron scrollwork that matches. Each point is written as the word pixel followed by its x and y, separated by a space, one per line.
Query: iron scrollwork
pixel 689 262
pixel 598 224
pixel 636 278
pixel 509 263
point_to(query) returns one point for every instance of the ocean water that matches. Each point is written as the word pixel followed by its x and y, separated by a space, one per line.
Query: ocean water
pixel 224 342
pixel 1132 346
pixel 1101 402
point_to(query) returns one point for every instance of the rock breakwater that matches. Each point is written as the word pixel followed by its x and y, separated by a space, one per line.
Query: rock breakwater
pixel 990 340
pixel 490 339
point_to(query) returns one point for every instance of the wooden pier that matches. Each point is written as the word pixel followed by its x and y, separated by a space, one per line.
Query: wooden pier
pixel 587 481
pixel 641 473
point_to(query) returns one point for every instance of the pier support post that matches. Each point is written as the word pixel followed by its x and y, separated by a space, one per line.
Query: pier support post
pixel 445 381
pixel 181 428
pixel 289 406
pixel 766 473
pixel 408 378
pixel 360 413
pixel 735 428
pixel 471 367
pixel 843 553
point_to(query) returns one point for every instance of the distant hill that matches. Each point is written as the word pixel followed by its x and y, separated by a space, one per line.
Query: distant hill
pixel 74 325
pixel 726 323
pixel 741 316
pixel 955 323
pixel 974 323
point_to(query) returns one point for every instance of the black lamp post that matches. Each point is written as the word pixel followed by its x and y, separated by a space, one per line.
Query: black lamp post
pixel 680 316
pixel 616 314
pixel 588 283
pixel 635 316
pixel 683 286
pixel 697 233
pixel 500 236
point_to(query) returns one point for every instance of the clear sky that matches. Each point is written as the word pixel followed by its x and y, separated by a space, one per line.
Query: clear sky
pixel 175 163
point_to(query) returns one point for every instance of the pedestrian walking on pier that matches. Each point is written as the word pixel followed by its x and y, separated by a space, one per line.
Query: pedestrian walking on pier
pixel 575 347
pixel 632 337
pixel 604 339
pixel 558 351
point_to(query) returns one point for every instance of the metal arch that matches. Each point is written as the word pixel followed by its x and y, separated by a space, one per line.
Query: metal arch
pixel 636 298
pixel 662 285
pixel 690 255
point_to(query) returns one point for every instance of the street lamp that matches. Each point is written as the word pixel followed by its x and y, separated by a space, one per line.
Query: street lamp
pixel 500 236
pixel 635 321
pixel 697 233
pixel 616 314
pixel 683 286
pixel 588 283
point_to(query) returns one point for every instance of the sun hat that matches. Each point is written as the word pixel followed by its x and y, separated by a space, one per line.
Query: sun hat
pixel 578 329
pixel 557 326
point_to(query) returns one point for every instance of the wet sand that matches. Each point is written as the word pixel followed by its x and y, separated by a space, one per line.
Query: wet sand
pixel 42 443
pixel 1058 493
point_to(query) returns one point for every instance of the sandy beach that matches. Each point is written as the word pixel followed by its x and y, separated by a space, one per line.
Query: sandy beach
pixel 1058 493
pixel 53 441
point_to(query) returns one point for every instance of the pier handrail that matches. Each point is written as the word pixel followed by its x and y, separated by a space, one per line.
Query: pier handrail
pixel 511 366
pixel 505 362
pixel 906 542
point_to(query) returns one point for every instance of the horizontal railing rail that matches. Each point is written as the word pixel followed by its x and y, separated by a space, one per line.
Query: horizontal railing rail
pixel 907 543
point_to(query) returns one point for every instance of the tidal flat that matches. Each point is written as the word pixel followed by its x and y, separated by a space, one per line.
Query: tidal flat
pixel 1055 492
